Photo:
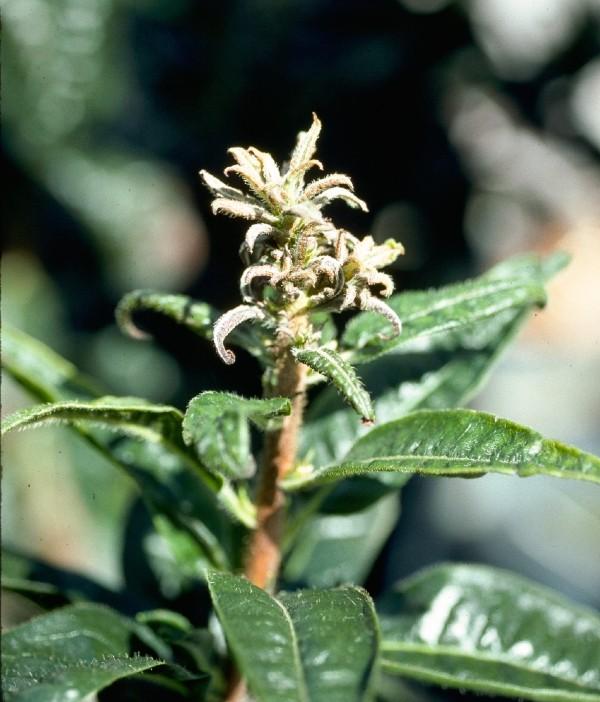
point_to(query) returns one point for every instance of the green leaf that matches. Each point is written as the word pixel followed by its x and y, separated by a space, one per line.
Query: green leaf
pixel 198 317
pixel 216 425
pixel 183 507
pixel 44 373
pixel 50 586
pixel 402 384
pixel 69 654
pixel 458 443
pixel 130 415
pixel 331 549
pixel 311 645
pixel 487 630
pixel 331 365
pixel 434 315
pixel 446 371
pixel 334 546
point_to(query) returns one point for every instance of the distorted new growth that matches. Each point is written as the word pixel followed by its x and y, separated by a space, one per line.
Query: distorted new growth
pixel 297 261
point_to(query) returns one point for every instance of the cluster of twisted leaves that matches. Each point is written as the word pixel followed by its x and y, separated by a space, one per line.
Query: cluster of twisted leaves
pixel 316 635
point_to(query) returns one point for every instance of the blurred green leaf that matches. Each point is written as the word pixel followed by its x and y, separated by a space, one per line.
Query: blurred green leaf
pixel 331 549
pixel 170 486
pixel 41 371
pixel 487 630
pixel 69 654
pixel 216 425
pixel 313 644
pixel 50 586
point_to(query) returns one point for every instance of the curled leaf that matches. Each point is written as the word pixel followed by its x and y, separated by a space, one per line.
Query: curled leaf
pixel 257 232
pixel 227 323
pixel 331 365
pixel 270 169
pixel 306 145
pixel 197 316
pixel 221 189
pixel 331 181
pixel 374 304
pixel 338 193
pixel 243 210
pixel 265 272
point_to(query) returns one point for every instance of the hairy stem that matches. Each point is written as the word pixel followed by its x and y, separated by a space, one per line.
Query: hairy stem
pixel 264 550
pixel 263 555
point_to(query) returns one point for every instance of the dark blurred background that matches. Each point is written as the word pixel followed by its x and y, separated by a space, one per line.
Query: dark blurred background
pixel 471 128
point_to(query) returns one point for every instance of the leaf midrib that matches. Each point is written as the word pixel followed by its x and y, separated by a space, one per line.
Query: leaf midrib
pixel 454 652
pixel 303 686
pixel 488 686
pixel 482 292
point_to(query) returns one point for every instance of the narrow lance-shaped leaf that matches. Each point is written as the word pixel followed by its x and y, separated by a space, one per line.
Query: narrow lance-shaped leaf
pixel 340 541
pixel 332 549
pixel 486 630
pixel 353 519
pixel 458 443
pixel 69 654
pixel 428 315
pixel 306 646
pixel 331 365
pixel 130 415
pixel 40 370
pixel 401 384
pixel 216 425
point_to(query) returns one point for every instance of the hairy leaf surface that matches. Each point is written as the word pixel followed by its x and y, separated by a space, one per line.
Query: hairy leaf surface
pixel 216 425
pixel 336 546
pixel 306 646
pixel 198 317
pixel 431 317
pixel 487 630
pixel 459 443
pixel 69 654
pixel 331 365
pixel 403 384
pixel 130 415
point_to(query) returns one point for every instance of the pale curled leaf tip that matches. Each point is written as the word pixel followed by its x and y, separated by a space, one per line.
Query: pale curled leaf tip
pixel 256 232
pixel 340 193
pixel 332 180
pixel 374 304
pixel 306 144
pixel 227 323
pixel 219 188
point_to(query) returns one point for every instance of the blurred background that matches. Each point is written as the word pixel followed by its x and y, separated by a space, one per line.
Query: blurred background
pixel 472 129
